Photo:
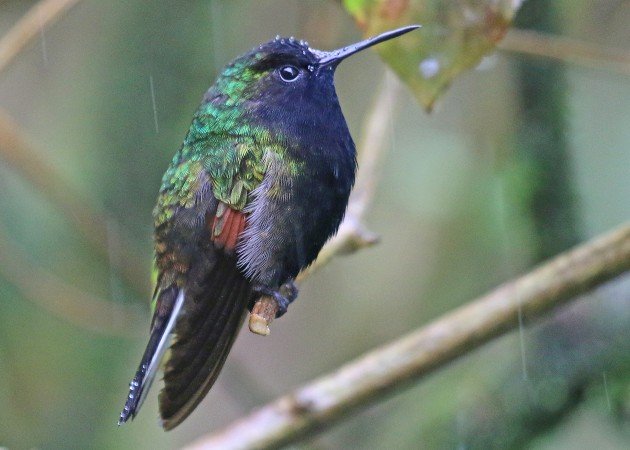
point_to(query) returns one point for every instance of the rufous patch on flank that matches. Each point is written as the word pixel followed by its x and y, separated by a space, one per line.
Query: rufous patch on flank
pixel 227 226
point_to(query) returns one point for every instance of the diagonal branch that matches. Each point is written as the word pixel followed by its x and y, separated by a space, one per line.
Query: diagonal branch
pixel 64 300
pixel 363 382
pixel 18 153
pixel 567 50
pixel 29 27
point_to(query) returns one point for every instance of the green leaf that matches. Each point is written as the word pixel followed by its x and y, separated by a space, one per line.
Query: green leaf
pixel 456 35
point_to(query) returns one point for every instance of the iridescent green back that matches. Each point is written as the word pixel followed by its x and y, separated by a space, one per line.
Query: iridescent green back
pixel 223 142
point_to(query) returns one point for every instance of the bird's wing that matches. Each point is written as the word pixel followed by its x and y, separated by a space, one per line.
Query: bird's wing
pixel 200 295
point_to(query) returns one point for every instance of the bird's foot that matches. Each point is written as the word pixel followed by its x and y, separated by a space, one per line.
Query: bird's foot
pixel 284 296
pixel 289 290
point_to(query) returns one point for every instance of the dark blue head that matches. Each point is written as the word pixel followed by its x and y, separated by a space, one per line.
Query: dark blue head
pixel 287 85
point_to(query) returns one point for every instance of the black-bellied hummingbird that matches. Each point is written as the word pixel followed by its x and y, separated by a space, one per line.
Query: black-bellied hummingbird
pixel 259 184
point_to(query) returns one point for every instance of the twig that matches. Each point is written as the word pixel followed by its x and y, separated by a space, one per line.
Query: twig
pixel 368 379
pixel 29 27
pixel 352 234
pixel 65 301
pixel 567 50
pixel 20 155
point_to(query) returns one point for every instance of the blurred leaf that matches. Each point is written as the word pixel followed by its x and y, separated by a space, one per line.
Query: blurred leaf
pixel 456 35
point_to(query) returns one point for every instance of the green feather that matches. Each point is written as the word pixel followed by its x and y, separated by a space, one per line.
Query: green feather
pixel 224 143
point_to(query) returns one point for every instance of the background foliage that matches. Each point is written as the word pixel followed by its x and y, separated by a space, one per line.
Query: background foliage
pixel 521 158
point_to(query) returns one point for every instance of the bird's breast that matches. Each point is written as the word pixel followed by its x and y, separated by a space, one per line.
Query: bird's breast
pixel 295 209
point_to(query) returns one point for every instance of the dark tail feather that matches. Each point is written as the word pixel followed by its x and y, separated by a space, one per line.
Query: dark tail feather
pixel 204 334
pixel 171 301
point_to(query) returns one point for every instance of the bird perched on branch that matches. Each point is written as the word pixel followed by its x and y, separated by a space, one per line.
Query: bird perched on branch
pixel 259 184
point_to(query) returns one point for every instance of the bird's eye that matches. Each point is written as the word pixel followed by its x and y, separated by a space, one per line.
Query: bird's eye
pixel 289 73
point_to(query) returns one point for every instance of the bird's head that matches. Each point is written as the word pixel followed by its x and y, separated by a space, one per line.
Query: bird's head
pixel 285 88
pixel 285 71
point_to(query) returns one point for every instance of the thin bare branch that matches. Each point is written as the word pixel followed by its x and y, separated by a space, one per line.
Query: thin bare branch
pixel 18 153
pixel 29 27
pixel 92 223
pixel 352 234
pixel 65 301
pixel 567 50
pixel 365 381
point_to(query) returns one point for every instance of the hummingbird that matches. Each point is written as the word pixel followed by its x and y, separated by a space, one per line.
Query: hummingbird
pixel 259 184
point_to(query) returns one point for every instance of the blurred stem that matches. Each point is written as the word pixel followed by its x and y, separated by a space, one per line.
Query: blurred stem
pixel 29 27
pixel 541 142
pixel 15 149
pixel 545 196
pixel 49 292
pixel 92 223
pixel 572 51
pixel 63 300
pixel 565 359
pixel 363 382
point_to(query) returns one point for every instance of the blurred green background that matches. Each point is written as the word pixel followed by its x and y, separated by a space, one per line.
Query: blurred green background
pixel 522 158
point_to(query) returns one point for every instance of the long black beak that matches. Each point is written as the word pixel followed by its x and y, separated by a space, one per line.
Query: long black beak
pixel 334 57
